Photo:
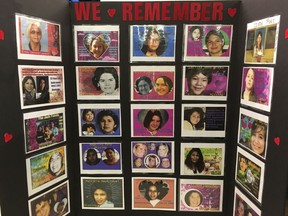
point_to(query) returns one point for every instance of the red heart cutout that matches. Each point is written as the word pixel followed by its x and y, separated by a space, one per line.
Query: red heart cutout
pixel 286 33
pixel 232 12
pixel 277 140
pixel 111 12
pixel 7 137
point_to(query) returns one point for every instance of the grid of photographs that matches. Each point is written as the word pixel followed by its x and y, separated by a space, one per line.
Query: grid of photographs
pixel 44 129
pixel 253 129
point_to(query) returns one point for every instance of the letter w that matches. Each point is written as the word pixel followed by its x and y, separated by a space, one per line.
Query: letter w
pixel 82 12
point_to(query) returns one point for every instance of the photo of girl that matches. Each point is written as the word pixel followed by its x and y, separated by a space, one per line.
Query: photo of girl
pixel 205 82
pixel 257 85
pixel 152 42
pixel 154 83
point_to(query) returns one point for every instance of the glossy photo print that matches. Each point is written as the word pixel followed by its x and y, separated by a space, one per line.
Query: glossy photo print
pixel 102 193
pixel 152 43
pixel 46 169
pixel 244 206
pixel 95 43
pixel 98 83
pixel 249 173
pixel 253 132
pixel 41 86
pixel 152 120
pixel 262 41
pixel 203 120
pixel 205 83
pixel 154 193
pixel 200 195
pixel 43 129
pixel 54 202
pixel 257 85
pixel 152 83
pixel 100 158
pixel 37 39
pixel 207 42
pixel 99 120
pixel 202 159
pixel 152 157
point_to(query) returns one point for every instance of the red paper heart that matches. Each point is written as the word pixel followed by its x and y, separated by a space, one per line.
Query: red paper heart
pixel 277 140
pixel 111 12
pixel 286 33
pixel 232 12
pixel 7 137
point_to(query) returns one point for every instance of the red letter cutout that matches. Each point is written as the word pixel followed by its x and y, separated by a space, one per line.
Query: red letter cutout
pixel 126 11
pixel 81 11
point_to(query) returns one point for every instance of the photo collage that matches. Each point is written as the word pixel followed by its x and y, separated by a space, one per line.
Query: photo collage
pixel 255 107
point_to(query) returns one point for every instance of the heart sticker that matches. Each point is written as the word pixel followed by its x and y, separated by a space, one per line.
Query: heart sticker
pixel 97 45
pixel 232 12
pixel 111 12
pixel 7 137
pixel 277 141
pixel 286 33
pixel 153 191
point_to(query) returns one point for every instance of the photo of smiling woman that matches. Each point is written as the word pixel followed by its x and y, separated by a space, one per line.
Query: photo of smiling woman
pixel 107 121
pixel 194 119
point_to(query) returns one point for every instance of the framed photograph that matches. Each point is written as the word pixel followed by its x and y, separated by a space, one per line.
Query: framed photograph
pixel 253 132
pixel 152 83
pixel 244 206
pixel 152 43
pixel 207 42
pixel 41 86
pixel 205 83
pixel 154 193
pixel 249 173
pixel 37 39
pixel 54 202
pixel 201 195
pixel 152 156
pixel 203 120
pixel 46 169
pixel 156 120
pixel 202 159
pixel 98 83
pixel 97 120
pixel 43 129
pixel 100 158
pixel 105 193
pixel 257 85
pixel 262 40
pixel 96 43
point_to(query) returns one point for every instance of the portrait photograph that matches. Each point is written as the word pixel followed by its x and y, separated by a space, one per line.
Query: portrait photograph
pixel 253 132
pixel 38 39
pixel 249 173
pixel 152 43
pixel 205 83
pixel 154 193
pixel 152 156
pixel 102 193
pixel 152 120
pixel 96 43
pixel 99 120
pixel 152 83
pixel 46 169
pixel 262 40
pixel 207 42
pixel 203 120
pixel 43 129
pixel 257 85
pixel 244 206
pixel 41 86
pixel 100 158
pixel 202 159
pixel 98 83
pixel 53 202
pixel 200 195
